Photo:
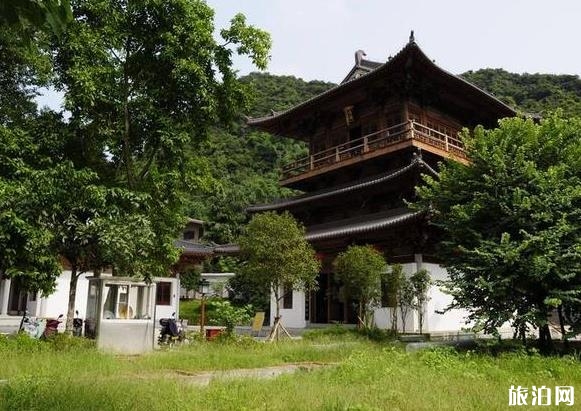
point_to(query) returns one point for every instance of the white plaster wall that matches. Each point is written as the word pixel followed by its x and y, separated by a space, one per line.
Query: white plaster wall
pixel 382 315
pixel 56 304
pixel 452 320
pixel 294 317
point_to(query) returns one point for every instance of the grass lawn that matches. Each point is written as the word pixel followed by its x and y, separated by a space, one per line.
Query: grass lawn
pixel 362 375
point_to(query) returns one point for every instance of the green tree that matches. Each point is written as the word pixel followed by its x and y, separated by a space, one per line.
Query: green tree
pixel 360 269
pixel 421 282
pixel 405 299
pixel 144 81
pixel 190 279
pixel 393 279
pixel 277 254
pixel 511 223
pixel 229 316
pixel 25 240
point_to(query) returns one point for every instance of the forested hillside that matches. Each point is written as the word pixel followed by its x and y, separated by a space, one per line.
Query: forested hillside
pixel 531 93
pixel 245 164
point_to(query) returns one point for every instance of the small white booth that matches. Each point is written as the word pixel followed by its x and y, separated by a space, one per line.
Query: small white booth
pixel 120 314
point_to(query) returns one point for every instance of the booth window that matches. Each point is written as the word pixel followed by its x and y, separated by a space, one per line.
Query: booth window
pixel 163 294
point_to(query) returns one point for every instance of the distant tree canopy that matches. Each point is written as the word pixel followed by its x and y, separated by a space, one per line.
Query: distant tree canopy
pixel 511 223
pixel 531 93
pixel 246 164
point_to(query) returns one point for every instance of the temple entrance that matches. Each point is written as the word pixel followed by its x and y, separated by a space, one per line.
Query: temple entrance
pixel 327 304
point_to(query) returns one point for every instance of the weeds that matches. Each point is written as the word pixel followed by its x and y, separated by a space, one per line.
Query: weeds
pixel 366 375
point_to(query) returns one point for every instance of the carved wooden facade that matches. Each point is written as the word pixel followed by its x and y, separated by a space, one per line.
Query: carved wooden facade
pixel 369 140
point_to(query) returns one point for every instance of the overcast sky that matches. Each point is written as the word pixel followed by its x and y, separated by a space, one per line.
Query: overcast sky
pixel 316 39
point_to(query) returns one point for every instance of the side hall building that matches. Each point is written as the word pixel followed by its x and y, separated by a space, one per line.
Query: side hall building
pixel 370 139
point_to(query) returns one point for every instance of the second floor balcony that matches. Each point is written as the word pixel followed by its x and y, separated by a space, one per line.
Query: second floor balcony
pixel 388 140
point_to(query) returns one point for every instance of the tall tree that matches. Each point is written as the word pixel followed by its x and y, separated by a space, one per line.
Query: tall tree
pixel 360 269
pixel 143 82
pixel 277 254
pixel 511 221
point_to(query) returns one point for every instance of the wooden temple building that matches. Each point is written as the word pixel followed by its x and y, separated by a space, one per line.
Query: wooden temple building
pixel 370 138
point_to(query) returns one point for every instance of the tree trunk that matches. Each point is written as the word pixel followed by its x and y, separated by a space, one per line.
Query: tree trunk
pixel 394 318
pixel 421 314
pixel 277 315
pixel 359 316
pixel 72 298
pixel 545 341
pixel 562 326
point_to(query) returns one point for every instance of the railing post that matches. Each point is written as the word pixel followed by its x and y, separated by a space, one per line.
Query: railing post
pixel 412 129
pixel 312 162
pixel 365 145
pixel 446 140
pixel 336 154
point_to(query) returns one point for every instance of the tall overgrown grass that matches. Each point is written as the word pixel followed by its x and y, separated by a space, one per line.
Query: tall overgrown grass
pixel 70 374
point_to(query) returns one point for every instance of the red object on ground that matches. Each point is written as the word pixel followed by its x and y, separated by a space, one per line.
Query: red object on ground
pixel 212 333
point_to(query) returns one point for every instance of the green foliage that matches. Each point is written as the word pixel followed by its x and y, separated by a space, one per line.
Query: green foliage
pixel 360 269
pixel 246 164
pixel 393 279
pixel 190 279
pixel 278 254
pixel 531 93
pixel 245 288
pixel 405 299
pixel 421 282
pixel 511 221
pixel 229 316
pixel 49 15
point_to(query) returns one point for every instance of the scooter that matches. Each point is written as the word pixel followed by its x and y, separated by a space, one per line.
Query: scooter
pixel 171 331
pixel 33 327
pixel 52 326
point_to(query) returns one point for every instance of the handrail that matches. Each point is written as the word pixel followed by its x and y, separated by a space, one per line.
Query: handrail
pixel 376 140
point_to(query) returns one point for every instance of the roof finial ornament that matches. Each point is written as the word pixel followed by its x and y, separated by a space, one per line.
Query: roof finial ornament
pixel 359 57
pixel 412 38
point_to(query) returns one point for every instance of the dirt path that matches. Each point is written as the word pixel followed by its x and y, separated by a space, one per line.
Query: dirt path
pixel 204 378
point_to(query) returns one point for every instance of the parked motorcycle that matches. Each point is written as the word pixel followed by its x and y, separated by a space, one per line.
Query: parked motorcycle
pixel 52 326
pixel 171 331
pixel 39 327
pixel 33 327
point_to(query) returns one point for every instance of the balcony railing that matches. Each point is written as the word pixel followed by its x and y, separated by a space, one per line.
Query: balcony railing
pixel 372 142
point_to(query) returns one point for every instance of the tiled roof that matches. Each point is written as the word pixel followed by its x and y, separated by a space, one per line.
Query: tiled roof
pixel 227 249
pixel 361 225
pixel 191 248
pixel 325 193
pixel 411 49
